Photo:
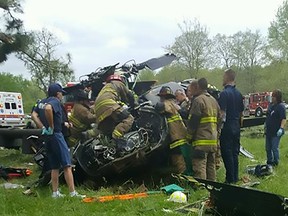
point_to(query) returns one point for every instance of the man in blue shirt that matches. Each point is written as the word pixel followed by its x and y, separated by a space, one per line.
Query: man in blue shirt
pixel 48 115
pixel 231 106
pixel 274 127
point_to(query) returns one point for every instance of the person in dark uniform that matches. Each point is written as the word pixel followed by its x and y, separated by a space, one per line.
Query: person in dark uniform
pixel 231 108
pixel 48 115
pixel 274 127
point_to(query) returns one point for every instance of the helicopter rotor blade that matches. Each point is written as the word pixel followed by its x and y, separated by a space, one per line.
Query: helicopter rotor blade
pixel 156 63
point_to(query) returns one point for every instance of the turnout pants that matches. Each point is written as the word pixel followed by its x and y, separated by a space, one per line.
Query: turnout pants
pixel 178 163
pixel 203 162
pixel 117 124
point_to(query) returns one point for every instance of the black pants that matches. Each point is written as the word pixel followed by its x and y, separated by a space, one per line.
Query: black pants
pixel 230 148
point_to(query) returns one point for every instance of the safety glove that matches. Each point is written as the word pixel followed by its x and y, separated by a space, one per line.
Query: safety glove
pixel 46 131
pixel 280 132
pixel 50 131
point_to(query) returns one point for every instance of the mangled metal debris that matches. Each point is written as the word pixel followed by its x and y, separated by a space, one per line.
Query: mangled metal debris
pixel 239 201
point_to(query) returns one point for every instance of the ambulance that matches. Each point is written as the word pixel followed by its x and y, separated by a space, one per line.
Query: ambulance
pixel 11 110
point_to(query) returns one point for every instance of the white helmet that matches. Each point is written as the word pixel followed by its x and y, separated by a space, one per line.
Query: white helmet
pixel 178 196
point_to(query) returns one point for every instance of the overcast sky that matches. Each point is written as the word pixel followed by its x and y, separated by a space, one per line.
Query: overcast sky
pixel 101 33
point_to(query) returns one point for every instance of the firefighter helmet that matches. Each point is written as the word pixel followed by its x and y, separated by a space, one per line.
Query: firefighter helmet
pixel 178 196
pixel 114 77
pixel 82 95
pixel 212 90
pixel 166 91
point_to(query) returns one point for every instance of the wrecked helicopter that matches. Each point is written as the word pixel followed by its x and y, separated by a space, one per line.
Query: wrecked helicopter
pixel 146 145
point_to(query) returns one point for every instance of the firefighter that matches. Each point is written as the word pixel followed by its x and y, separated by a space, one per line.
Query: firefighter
pixel 110 107
pixel 179 149
pixel 81 118
pixel 203 124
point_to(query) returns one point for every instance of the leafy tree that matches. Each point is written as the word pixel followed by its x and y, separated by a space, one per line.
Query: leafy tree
pixel 278 34
pixel 193 46
pixel 12 35
pixel 213 76
pixel 255 45
pixel 175 72
pixel 43 64
pixel 274 76
pixel 30 92
pixel 146 75
pixel 242 50
pixel 247 79
pixel 248 55
pixel 248 49
pixel 223 50
pixel 245 51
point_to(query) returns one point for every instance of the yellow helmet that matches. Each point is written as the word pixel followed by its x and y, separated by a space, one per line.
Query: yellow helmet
pixel 178 196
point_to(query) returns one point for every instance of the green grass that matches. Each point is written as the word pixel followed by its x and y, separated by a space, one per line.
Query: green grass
pixel 13 202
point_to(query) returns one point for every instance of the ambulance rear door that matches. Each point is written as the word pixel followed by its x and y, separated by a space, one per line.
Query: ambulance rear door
pixel 11 109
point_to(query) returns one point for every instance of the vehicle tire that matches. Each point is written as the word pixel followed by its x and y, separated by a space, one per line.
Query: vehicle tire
pixel 79 174
pixel 258 112
pixel 44 179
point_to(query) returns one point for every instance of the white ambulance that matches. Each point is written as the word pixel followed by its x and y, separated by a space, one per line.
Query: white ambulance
pixel 11 109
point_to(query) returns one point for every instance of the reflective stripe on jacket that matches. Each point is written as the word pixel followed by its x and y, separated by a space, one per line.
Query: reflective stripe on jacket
pixel 81 118
pixel 177 129
pixel 111 97
pixel 177 143
pixel 204 131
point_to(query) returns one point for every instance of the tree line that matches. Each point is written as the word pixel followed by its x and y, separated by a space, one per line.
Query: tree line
pixel 261 62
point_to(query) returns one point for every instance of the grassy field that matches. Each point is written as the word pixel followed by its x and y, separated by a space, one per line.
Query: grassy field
pixel 13 202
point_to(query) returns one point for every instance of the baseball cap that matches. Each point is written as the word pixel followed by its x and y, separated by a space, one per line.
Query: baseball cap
pixel 54 88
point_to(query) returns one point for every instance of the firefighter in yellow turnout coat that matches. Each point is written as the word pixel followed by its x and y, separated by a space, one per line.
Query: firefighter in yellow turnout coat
pixel 179 149
pixel 204 123
pixel 111 117
pixel 81 118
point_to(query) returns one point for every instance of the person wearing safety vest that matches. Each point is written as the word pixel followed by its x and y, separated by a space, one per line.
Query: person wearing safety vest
pixel 81 118
pixel 204 122
pixel 179 149
pixel 112 115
